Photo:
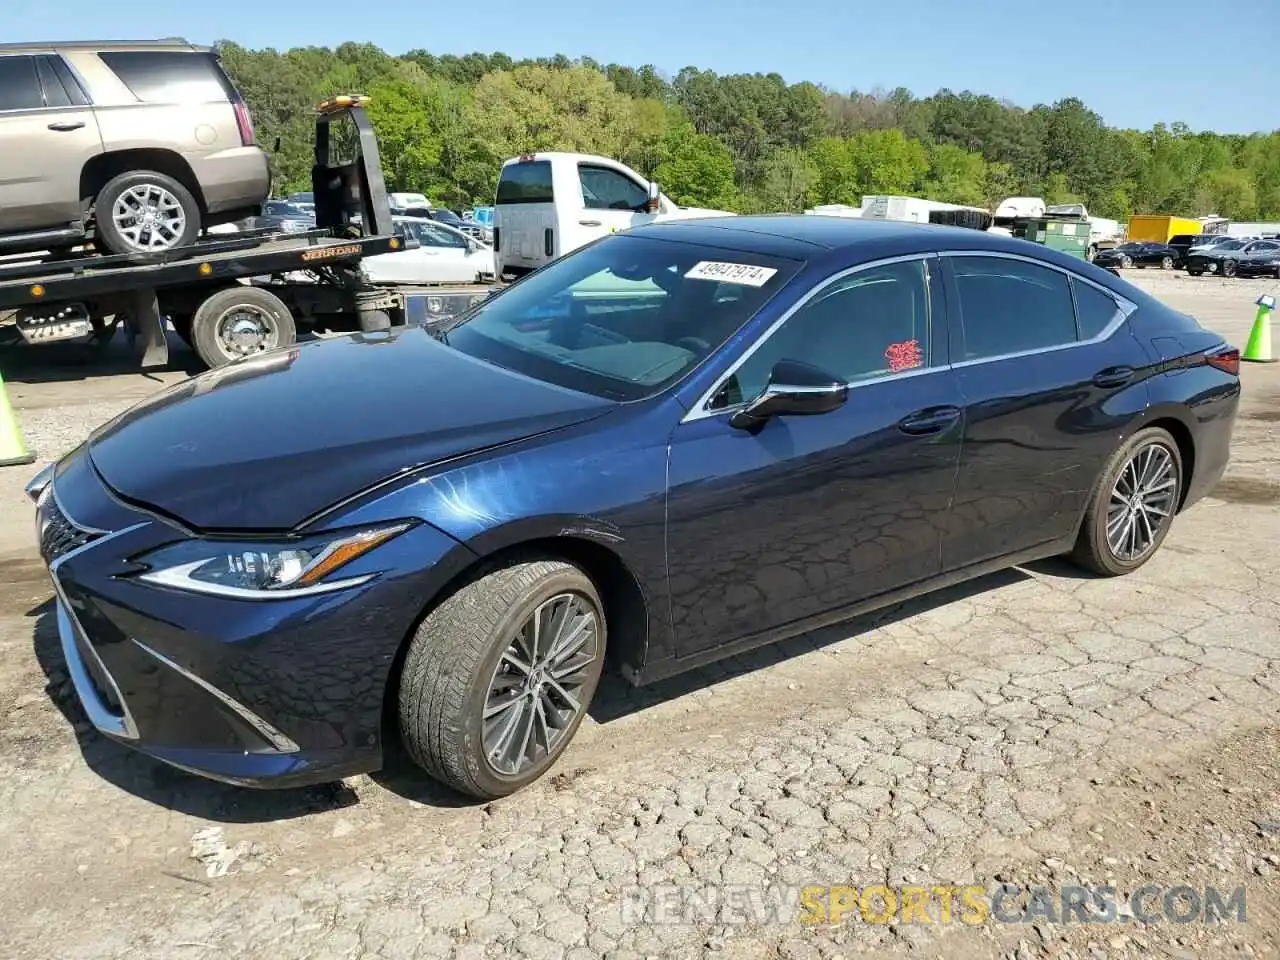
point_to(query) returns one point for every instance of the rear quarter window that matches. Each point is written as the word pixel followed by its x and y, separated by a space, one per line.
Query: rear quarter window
pixel 526 183
pixel 170 76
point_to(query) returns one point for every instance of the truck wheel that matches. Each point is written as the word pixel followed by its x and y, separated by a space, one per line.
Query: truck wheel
pixel 145 212
pixel 499 676
pixel 240 321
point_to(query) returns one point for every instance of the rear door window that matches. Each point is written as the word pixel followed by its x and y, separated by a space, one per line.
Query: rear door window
pixel 169 76
pixel 1011 306
pixel 19 87
pixel 526 183
pixel 606 189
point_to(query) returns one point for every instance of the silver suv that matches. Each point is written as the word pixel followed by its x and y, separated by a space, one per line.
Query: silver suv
pixel 138 146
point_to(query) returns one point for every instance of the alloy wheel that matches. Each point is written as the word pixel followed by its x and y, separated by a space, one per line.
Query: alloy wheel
pixel 1142 502
pixel 535 696
pixel 149 217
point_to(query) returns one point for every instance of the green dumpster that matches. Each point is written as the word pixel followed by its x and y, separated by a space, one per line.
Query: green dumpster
pixel 1062 234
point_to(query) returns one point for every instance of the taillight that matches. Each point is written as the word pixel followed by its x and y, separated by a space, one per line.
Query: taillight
pixel 1228 361
pixel 245 123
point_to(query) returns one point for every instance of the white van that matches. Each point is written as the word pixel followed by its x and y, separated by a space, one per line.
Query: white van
pixel 551 203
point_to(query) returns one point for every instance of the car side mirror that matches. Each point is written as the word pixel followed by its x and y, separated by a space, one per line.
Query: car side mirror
pixel 654 203
pixel 794 389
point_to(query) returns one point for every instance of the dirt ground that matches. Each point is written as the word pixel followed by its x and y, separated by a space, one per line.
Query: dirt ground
pixel 1034 729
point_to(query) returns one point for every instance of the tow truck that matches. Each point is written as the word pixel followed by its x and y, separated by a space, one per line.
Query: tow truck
pixel 237 295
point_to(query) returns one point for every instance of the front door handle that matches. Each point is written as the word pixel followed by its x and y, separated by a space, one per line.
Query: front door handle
pixel 590 223
pixel 1113 377
pixel 929 420
pixel 65 127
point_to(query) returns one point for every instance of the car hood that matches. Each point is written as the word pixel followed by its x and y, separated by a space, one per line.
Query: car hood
pixel 265 443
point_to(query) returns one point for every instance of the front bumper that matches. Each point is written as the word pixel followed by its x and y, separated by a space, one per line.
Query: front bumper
pixel 258 693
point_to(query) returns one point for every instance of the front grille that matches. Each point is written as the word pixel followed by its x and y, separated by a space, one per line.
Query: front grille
pixel 58 535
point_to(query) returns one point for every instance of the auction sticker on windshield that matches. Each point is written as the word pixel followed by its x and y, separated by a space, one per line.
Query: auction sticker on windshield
pixel 745 273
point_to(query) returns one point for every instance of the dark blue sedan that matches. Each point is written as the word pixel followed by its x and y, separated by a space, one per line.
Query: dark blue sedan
pixel 670 446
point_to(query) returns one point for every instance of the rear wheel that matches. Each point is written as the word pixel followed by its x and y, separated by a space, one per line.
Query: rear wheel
pixel 1133 505
pixel 1126 262
pixel 499 676
pixel 240 321
pixel 1166 263
pixel 145 212
pixel 1229 268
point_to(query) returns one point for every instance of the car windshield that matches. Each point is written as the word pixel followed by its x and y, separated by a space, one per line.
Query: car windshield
pixel 623 318
pixel 448 216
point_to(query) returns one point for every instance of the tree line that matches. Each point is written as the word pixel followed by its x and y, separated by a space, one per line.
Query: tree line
pixel 743 142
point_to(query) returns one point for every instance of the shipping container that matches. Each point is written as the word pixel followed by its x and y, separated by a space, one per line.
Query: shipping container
pixel 1066 235
pixel 1160 229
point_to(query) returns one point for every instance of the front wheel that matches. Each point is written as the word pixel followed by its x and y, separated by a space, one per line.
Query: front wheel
pixel 1126 262
pixel 240 321
pixel 1132 506
pixel 499 676
pixel 1166 263
pixel 1229 268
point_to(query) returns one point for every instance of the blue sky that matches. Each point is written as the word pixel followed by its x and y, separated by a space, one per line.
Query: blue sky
pixel 1126 59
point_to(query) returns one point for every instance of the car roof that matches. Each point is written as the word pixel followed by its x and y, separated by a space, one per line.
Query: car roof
pixel 809 237
pixel 169 44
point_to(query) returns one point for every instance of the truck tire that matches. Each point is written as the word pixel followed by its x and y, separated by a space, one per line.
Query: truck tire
pixel 145 212
pixel 238 322
pixel 484 705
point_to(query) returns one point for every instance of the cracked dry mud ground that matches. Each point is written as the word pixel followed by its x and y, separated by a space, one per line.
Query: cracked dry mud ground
pixel 1034 726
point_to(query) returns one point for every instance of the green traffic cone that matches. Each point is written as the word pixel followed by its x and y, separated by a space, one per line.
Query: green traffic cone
pixel 1258 349
pixel 13 452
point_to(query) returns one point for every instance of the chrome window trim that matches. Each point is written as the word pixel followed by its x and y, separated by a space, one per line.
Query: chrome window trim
pixel 69 627
pixel 700 410
pixel 280 741
pixel 1125 307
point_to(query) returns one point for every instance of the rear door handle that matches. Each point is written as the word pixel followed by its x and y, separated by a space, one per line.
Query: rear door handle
pixel 65 127
pixel 929 420
pixel 1113 376
pixel 590 223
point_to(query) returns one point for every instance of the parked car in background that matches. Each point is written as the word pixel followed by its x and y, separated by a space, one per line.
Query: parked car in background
pixel 282 215
pixel 1162 255
pixel 1262 261
pixel 1223 258
pixel 305 201
pixel 402 202
pixel 443 255
pixel 136 145
pixel 560 481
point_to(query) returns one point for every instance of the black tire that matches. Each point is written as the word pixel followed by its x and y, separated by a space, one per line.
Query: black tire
pixel 1166 263
pixel 108 232
pixel 1228 268
pixel 259 307
pixel 1092 551
pixel 452 659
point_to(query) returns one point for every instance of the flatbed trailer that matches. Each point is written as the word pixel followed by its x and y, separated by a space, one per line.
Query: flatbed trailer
pixel 230 295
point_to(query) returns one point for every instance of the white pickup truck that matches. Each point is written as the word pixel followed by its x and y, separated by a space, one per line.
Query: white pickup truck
pixel 551 203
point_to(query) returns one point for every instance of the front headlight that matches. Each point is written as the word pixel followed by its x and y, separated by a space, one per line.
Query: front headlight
pixel 265 570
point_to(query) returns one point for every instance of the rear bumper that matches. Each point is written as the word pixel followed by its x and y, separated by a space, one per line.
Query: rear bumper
pixel 233 180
